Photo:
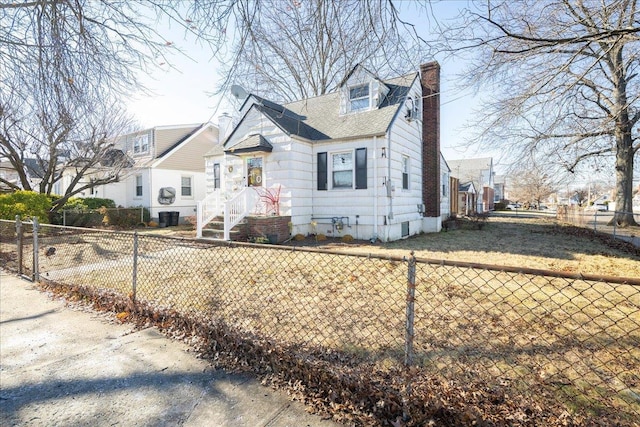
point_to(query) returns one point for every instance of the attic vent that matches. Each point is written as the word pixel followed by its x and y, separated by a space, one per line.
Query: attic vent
pixel 167 195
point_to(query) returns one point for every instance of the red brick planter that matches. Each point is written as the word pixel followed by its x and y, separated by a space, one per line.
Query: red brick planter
pixel 274 228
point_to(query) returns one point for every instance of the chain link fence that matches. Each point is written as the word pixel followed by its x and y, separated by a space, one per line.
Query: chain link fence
pixel 600 222
pixel 372 339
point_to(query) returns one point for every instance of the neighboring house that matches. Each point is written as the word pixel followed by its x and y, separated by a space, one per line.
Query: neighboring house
pixel 445 184
pixel 467 197
pixel 480 173
pixel 364 160
pixel 499 183
pixel 34 172
pixel 166 173
pixel 454 198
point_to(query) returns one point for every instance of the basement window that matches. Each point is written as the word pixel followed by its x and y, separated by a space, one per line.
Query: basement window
pixel 405 229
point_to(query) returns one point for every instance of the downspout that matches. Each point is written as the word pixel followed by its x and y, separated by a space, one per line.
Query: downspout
pixel 375 189
pixel 390 198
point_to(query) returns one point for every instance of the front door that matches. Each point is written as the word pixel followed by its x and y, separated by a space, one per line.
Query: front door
pixel 255 176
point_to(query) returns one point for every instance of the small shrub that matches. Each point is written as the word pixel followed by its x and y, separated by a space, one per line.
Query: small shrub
pixel 153 224
pixel 298 237
pixel 478 220
pixel 321 237
pixel 191 220
pixel 97 202
pixel 26 204
pixel 124 218
pixel 347 238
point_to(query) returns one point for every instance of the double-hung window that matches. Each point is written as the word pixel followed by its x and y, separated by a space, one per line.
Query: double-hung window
pixel 138 185
pixel 445 182
pixel 342 169
pixel 359 97
pixel 345 169
pixel 141 144
pixel 405 172
pixel 216 175
pixel 185 187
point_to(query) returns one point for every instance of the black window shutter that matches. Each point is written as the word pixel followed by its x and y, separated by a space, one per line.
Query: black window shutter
pixel 322 171
pixel 361 168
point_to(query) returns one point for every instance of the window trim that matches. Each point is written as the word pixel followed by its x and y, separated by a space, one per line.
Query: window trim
pixel 183 187
pixel 445 179
pixel 139 186
pixel 405 169
pixel 216 176
pixel 366 97
pixel 333 181
pixel 141 144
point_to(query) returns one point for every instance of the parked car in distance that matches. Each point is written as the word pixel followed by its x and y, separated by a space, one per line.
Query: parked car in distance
pixel 513 206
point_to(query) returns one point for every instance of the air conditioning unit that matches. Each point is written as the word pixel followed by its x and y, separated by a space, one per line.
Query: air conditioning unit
pixel 412 109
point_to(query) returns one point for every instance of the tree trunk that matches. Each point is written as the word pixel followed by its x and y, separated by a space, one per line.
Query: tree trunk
pixel 623 215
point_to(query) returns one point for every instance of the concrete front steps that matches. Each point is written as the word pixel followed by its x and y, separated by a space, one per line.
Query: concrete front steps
pixel 215 230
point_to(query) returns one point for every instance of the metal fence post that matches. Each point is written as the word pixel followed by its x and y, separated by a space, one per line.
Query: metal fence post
pixel 135 266
pixel 411 295
pixel 36 268
pixel 595 221
pixel 19 243
pixel 408 347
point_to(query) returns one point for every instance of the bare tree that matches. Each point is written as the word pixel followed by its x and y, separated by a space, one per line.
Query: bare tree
pixel 65 64
pixel 534 184
pixel 296 49
pixel 581 196
pixel 563 77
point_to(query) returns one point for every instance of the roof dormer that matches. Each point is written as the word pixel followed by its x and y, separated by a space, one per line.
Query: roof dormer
pixel 361 90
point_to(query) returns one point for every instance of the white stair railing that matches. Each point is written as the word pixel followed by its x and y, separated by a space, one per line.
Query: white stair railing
pixel 207 209
pixel 236 208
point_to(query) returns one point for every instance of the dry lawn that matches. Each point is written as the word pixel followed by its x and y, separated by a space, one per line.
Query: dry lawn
pixel 580 339
pixel 519 242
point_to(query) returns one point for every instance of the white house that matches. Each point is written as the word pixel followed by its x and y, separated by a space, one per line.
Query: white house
pixel 445 184
pixel 166 173
pixel 364 160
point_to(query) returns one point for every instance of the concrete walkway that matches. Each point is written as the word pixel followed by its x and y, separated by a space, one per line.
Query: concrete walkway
pixel 63 367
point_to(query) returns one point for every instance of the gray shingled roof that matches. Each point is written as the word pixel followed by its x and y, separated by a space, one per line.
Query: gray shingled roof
pixel 465 187
pixel 217 150
pixel 319 119
pixel 252 143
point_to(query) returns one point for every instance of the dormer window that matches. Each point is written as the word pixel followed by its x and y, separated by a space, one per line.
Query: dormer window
pixel 359 97
pixel 141 144
pixel 361 91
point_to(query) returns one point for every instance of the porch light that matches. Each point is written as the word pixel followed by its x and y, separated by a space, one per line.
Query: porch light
pixel 384 152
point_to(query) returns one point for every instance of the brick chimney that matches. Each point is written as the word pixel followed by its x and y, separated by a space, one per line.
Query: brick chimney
pixel 430 81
